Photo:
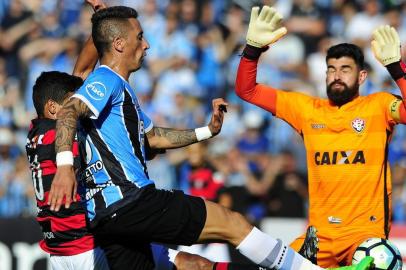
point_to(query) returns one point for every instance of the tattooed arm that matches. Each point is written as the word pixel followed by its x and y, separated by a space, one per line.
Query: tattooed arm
pixel 167 138
pixel 64 183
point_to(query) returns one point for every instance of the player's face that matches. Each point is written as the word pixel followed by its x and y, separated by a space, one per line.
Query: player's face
pixel 136 45
pixel 343 80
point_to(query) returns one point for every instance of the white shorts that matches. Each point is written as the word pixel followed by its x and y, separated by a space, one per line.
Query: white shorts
pixel 90 260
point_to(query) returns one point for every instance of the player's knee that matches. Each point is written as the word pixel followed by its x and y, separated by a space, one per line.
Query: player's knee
pixel 237 224
pixel 187 261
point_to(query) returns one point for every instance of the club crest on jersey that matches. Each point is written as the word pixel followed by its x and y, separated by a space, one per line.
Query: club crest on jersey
pixel 96 90
pixel 358 124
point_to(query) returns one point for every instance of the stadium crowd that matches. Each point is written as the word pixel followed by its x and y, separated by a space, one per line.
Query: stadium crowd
pixel 256 165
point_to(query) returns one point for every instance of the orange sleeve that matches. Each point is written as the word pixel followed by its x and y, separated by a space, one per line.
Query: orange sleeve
pixel 246 86
pixel 288 106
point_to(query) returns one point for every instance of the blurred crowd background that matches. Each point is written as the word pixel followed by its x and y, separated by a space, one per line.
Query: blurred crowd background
pixel 257 164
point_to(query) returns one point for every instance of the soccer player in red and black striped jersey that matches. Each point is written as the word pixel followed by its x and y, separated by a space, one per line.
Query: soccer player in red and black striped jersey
pixel 65 234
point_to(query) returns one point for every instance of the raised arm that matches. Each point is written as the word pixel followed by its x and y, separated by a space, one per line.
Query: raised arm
pixel 386 48
pixel 88 56
pixel 263 30
pixel 64 183
pixel 168 138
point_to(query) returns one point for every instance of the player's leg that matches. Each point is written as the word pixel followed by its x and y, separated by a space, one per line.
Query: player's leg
pixel 262 249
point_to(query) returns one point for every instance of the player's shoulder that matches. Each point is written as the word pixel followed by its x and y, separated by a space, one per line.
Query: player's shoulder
pixel 381 95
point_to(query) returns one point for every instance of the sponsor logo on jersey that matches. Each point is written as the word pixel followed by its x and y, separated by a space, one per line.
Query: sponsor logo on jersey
pixel 90 192
pixel 358 124
pixel 318 126
pixel 339 157
pixel 96 90
pixel 334 220
pixel 48 235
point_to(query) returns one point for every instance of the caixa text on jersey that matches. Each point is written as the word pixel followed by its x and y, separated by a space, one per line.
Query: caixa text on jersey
pixel 339 157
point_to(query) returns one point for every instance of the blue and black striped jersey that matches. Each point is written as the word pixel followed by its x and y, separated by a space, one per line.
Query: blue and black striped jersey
pixel 114 141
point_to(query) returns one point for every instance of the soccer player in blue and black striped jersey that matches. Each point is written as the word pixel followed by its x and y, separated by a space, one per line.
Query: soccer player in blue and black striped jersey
pixel 122 202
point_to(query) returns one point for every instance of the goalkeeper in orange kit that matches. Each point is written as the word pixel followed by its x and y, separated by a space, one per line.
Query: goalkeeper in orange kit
pixel 346 138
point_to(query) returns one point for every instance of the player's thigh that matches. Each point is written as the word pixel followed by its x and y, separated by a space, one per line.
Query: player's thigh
pixel 350 243
pixel 94 259
pixel 298 242
pixel 162 216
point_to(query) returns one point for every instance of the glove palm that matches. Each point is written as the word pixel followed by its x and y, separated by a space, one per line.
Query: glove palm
pixel 386 45
pixel 264 29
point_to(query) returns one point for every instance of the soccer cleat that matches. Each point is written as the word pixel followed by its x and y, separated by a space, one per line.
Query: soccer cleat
pixel 310 245
pixel 366 263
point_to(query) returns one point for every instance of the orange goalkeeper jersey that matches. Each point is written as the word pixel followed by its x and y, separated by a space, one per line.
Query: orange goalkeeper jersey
pixel 347 157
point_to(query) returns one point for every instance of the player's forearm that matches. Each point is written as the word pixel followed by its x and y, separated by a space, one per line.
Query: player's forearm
pixel 87 60
pixel 246 85
pixel 168 138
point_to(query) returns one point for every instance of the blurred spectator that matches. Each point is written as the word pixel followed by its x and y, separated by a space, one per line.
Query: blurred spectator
pixel 399 191
pixel 197 176
pixel 15 27
pixel 308 22
pixel 368 19
pixel 195 50
pixel 288 193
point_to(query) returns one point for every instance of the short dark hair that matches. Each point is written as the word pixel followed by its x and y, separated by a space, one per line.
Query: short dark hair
pixel 349 50
pixel 110 23
pixel 53 85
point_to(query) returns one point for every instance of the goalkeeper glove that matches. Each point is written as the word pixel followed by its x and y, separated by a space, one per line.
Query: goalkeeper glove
pixel 366 263
pixel 264 29
pixel 386 45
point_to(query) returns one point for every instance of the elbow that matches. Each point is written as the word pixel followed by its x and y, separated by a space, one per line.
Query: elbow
pixel 82 73
pixel 240 90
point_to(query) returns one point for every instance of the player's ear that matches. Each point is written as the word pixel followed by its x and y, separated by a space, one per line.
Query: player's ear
pixel 51 109
pixel 362 76
pixel 118 44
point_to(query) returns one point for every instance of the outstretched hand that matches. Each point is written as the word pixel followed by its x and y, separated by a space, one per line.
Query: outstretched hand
pixel 264 28
pixel 386 45
pixel 216 122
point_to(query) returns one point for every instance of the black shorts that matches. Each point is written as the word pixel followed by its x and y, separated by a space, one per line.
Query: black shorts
pixel 127 254
pixel 162 216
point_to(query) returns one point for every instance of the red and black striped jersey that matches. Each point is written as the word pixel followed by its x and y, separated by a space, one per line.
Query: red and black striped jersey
pixel 65 231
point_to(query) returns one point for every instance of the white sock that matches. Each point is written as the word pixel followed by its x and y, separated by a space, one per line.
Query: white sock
pixel 266 251
pixel 257 246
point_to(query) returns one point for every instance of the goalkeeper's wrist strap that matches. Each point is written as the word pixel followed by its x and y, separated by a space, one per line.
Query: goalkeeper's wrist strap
pixel 253 53
pixel 397 70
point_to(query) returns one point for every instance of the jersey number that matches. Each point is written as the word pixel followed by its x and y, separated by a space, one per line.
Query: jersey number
pixel 37 178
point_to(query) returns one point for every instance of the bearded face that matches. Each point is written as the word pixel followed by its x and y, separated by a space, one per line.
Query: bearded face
pixel 340 93
pixel 343 80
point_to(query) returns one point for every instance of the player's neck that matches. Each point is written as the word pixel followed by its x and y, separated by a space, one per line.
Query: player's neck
pixel 117 65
